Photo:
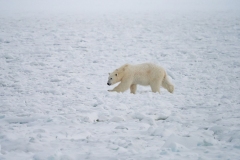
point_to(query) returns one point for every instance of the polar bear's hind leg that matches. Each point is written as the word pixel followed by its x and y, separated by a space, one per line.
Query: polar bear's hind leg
pixel 155 86
pixel 167 84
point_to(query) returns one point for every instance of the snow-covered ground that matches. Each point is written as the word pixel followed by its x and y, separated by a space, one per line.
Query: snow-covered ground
pixel 54 64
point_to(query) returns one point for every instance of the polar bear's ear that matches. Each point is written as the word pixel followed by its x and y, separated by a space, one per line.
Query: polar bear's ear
pixel 108 73
pixel 125 66
pixel 116 74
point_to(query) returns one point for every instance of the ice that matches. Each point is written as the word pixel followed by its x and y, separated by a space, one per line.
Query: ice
pixel 177 142
pixel 55 57
pixel 20 120
pixel 116 119
pixel 161 131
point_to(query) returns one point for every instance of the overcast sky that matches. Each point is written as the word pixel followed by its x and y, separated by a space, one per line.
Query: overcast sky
pixel 117 5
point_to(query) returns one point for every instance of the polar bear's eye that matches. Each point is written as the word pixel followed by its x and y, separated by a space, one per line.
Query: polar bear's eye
pixel 111 78
pixel 115 74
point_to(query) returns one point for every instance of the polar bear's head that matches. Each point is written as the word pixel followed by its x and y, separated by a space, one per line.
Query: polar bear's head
pixel 116 76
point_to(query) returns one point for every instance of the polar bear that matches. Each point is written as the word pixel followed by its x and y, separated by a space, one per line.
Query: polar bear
pixel 144 74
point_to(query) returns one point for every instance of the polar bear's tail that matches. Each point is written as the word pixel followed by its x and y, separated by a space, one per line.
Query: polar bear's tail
pixel 167 84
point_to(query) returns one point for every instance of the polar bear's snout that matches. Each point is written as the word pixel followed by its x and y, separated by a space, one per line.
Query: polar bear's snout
pixel 109 82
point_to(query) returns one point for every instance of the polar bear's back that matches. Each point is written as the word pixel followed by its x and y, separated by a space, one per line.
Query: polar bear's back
pixel 146 73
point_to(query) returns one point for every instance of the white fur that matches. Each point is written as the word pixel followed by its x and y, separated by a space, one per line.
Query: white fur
pixel 144 74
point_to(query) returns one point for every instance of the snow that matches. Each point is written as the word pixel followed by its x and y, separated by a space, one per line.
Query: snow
pixel 54 63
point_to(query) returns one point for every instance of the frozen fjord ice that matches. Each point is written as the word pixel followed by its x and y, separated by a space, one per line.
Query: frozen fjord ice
pixel 54 99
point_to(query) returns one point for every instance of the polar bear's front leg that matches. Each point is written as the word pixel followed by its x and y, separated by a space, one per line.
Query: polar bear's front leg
pixel 133 88
pixel 122 87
